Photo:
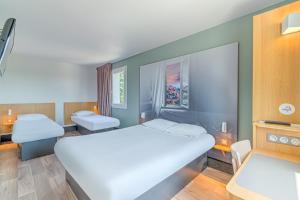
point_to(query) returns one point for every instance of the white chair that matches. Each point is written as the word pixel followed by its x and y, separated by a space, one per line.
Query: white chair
pixel 239 152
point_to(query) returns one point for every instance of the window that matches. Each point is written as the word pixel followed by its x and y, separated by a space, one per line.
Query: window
pixel 119 87
pixel 177 86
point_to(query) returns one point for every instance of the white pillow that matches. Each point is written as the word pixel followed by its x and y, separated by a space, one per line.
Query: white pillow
pixel 160 124
pixel 187 130
pixel 31 117
pixel 83 113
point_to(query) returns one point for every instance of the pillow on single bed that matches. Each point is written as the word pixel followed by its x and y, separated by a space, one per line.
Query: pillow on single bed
pixel 160 124
pixel 31 117
pixel 187 130
pixel 83 113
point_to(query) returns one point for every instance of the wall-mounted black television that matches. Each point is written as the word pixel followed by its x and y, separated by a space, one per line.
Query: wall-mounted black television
pixel 6 42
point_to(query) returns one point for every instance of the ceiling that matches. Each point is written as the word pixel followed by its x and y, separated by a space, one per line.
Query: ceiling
pixel 98 31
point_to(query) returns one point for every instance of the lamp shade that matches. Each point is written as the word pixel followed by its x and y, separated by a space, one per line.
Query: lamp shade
pixel 291 24
pixel 9 112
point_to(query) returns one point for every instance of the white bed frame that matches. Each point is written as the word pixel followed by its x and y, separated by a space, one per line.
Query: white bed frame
pixel 164 190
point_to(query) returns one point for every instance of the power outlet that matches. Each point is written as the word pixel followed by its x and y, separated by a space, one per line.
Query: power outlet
pixel 283 139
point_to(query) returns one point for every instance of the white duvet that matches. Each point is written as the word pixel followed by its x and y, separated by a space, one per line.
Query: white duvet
pixel 123 164
pixel 33 130
pixel 96 122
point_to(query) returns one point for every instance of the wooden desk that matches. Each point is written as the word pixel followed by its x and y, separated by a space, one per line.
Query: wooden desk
pixel 286 165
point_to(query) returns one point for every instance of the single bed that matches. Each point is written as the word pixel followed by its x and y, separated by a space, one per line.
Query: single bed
pixel 36 135
pixel 89 122
pixel 135 162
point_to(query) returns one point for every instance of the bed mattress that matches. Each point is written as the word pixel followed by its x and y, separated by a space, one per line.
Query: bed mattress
pixel 96 122
pixel 33 130
pixel 123 164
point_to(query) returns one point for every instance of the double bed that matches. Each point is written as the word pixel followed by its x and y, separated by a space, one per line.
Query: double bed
pixel 89 122
pixel 36 135
pixel 138 162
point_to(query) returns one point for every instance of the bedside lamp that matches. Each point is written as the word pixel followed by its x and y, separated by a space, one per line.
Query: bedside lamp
pixel 143 117
pixel 223 139
pixel 291 24
pixel 9 113
pixel 95 109
pixel 224 127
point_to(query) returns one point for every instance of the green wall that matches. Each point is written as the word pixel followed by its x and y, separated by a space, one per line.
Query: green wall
pixel 238 30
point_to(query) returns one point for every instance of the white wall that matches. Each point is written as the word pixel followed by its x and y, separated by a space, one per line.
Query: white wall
pixel 36 80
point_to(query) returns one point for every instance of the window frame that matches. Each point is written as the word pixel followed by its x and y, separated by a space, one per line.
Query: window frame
pixel 181 106
pixel 118 70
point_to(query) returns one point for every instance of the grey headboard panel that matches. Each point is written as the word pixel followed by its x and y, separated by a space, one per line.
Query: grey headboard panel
pixel 213 91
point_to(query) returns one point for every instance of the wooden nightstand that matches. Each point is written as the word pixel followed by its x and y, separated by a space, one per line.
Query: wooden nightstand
pixel 218 158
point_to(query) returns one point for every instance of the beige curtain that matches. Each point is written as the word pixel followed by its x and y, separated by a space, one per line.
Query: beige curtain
pixel 104 82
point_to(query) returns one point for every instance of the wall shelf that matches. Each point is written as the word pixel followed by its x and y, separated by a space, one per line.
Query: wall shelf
pixel 276 126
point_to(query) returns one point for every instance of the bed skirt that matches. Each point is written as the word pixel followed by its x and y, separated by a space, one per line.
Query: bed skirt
pixel 164 190
pixel 34 149
pixel 84 131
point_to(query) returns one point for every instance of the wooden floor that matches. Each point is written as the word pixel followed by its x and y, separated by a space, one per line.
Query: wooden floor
pixel 209 185
pixel 44 179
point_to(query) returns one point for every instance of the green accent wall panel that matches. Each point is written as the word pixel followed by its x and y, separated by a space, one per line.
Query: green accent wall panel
pixel 238 30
